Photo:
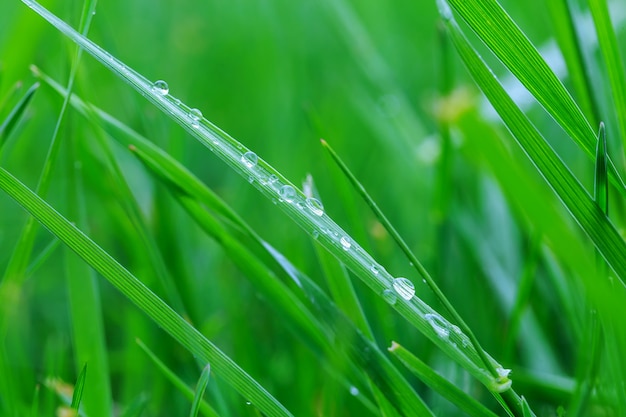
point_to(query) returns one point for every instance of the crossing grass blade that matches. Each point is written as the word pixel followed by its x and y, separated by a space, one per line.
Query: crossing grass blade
pixel 438 383
pixel 140 295
pixel 307 213
pixel 613 63
pixel 577 201
pixel 504 38
pixel 200 388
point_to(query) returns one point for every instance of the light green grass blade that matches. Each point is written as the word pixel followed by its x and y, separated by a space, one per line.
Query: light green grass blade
pixel 436 382
pixel 79 389
pixel 135 409
pixel 16 113
pixel 578 202
pixel 561 15
pixel 306 212
pixel 505 39
pixel 140 295
pixel 612 60
pixel 202 406
pixel 200 388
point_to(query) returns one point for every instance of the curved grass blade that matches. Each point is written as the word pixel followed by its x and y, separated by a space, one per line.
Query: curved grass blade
pixel 308 213
pixel 203 407
pixel 575 198
pixel 505 39
pixel 439 384
pixel 140 295
pixel 200 388
pixel 609 47
pixel 14 116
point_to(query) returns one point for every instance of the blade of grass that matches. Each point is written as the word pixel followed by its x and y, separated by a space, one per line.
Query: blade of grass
pixel 412 258
pixel 203 407
pixel 609 47
pixel 561 15
pixel 575 198
pixel 306 212
pixel 509 44
pixel 436 382
pixel 601 191
pixel 140 295
pixel 16 113
pixel 200 388
pixel 79 389
pixel 88 335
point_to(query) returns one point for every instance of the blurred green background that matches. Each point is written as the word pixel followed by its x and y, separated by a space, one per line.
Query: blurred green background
pixel 278 76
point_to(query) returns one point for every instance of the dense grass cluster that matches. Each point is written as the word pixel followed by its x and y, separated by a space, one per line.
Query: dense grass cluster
pixel 453 246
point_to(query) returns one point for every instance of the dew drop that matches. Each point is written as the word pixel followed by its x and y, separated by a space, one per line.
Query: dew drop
pixel 315 206
pixel 374 270
pixel 300 205
pixel 389 296
pixel 249 159
pixel 273 179
pixel 404 288
pixel 287 193
pixel 195 115
pixel 354 391
pixel 160 87
pixel 439 325
pixel 315 234
pixel 346 244
pixel 250 179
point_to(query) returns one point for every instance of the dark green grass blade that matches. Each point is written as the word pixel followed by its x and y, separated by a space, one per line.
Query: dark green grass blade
pixel 612 60
pixel 79 388
pixel 578 202
pixel 436 382
pixel 200 388
pixel 176 381
pixel 135 291
pixel 16 113
pixel 412 258
pixel 505 39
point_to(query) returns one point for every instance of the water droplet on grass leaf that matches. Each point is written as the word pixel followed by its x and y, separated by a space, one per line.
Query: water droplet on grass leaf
pixel 439 325
pixel 160 87
pixel 287 193
pixel 389 296
pixel 346 244
pixel 404 288
pixel 315 206
pixel 249 159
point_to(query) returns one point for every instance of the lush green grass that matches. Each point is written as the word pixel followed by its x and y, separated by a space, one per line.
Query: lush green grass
pixel 164 273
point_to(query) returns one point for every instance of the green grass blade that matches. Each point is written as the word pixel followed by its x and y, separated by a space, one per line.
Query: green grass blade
pixel 578 202
pixel 612 60
pixel 140 295
pixel 79 388
pixel 135 409
pixel 435 381
pixel 412 258
pixel 88 334
pixel 306 212
pixel 505 39
pixel 561 15
pixel 200 388
pixel 16 113
pixel 601 190
pixel 202 406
